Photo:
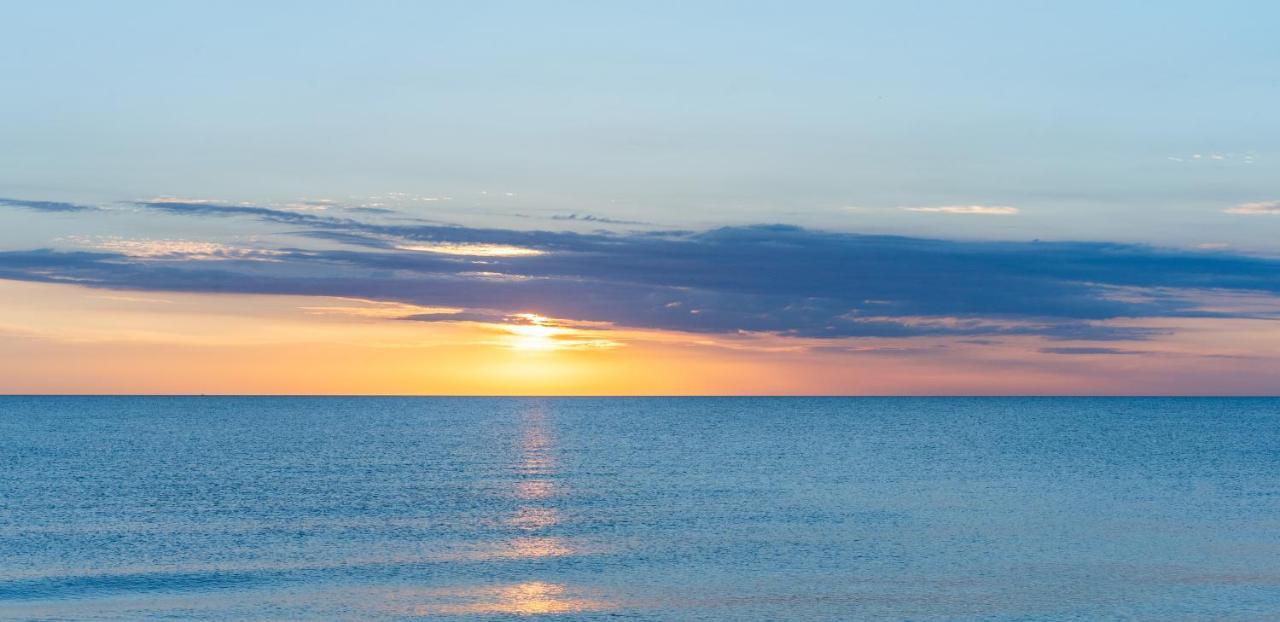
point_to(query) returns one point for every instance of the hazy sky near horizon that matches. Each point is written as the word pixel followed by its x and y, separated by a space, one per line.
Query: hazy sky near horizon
pixel 905 197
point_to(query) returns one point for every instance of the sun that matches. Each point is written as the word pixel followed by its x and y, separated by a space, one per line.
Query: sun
pixel 536 334
pixel 534 337
pixel 530 332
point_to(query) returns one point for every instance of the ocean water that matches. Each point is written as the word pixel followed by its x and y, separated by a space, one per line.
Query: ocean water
pixel 122 508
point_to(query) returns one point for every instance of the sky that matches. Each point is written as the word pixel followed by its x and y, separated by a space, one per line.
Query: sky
pixel 640 198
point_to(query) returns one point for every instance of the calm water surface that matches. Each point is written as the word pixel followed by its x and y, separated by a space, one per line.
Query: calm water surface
pixel 642 509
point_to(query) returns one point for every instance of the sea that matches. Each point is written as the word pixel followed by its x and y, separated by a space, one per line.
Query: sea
pixel 806 509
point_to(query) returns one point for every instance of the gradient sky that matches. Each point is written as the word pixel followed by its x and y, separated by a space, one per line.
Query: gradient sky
pixel 562 198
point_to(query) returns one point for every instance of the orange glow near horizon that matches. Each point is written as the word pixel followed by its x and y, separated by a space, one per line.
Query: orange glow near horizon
pixel 59 338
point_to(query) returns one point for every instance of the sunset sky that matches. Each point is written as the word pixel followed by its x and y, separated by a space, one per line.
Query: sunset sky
pixel 640 198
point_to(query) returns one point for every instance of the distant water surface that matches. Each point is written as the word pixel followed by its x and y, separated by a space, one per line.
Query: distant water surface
pixel 121 508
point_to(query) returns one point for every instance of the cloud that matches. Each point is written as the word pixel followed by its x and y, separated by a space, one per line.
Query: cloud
pixel 378 309
pixel 775 279
pixel 1217 158
pixel 851 349
pixel 471 250
pixel 596 219
pixel 370 210
pixel 976 210
pixel 185 207
pixel 1256 208
pixel 46 206
pixel 174 249
pixel 1090 350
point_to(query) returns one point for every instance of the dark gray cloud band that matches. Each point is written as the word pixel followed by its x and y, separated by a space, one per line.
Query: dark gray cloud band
pixel 45 206
pixel 769 278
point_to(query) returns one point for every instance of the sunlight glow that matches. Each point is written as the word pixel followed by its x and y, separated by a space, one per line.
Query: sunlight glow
pixel 534 336
pixel 531 332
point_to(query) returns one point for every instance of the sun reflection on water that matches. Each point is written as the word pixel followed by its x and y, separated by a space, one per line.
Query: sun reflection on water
pixel 537 459
pixel 527 598
pixel 534 519
pixel 532 547
pixel 534 469
pixel 533 489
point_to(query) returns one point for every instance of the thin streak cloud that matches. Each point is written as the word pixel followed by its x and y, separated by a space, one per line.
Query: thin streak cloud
pixel 972 210
pixel 1266 208
pixel 46 206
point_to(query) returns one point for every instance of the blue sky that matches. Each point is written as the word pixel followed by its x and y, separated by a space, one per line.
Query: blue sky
pixel 1086 117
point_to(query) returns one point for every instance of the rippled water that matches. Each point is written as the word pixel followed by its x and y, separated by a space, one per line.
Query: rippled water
pixel 645 509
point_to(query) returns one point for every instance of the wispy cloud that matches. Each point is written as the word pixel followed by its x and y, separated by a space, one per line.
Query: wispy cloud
pixel 1091 350
pixel 46 206
pixel 175 249
pixel 596 219
pixel 378 309
pixel 370 210
pixel 1213 157
pixel 1256 208
pixel 973 210
pixel 471 250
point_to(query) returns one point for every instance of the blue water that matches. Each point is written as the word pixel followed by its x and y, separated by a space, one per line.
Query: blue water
pixel 643 509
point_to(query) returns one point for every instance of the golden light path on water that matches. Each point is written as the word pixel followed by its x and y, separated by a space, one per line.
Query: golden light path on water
pixel 535 469
pixel 525 598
